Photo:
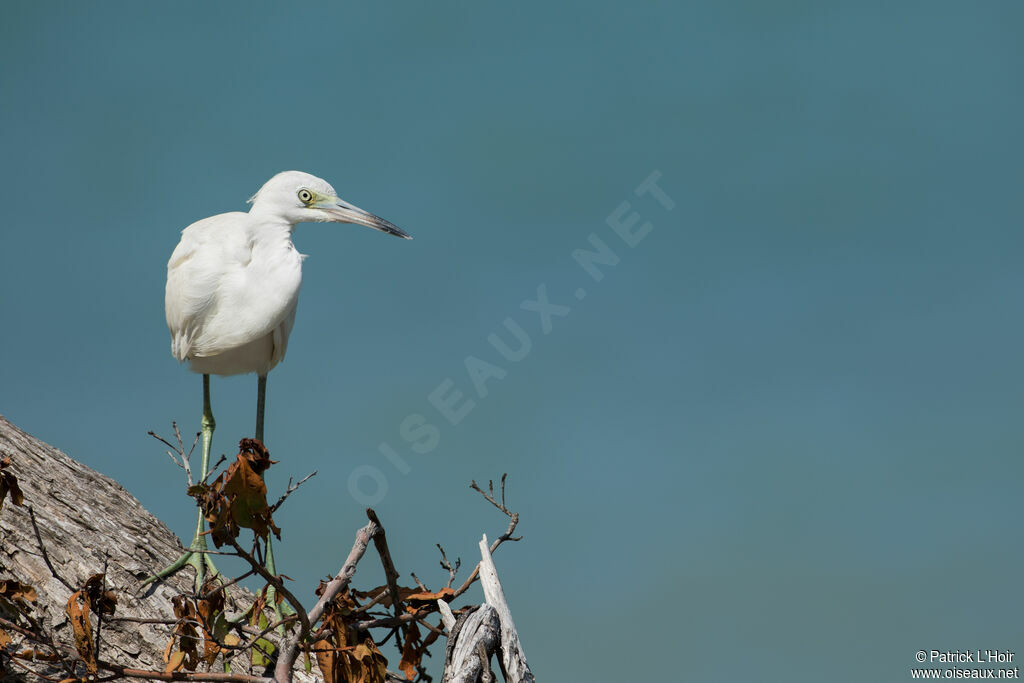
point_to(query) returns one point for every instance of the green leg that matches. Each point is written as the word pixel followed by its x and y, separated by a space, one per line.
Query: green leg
pixel 283 608
pixel 199 547
pixel 196 556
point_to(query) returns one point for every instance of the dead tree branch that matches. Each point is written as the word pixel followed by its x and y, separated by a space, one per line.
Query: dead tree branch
pixel 513 659
pixel 445 564
pixel 290 648
pixel 391 574
pixel 472 640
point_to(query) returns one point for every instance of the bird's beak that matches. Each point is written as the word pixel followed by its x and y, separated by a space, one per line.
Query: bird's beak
pixel 341 211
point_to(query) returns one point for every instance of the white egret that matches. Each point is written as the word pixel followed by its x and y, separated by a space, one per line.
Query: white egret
pixel 232 288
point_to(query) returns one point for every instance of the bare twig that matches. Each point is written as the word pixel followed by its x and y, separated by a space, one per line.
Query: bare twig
pixel 376 600
pixel 489 494
pixel 430 627
pixel 42 549
pixel 182 459
pixel 99 612
pixel 42 636
pixel 291 489
pixel 381 543
pixel 418 582
pixel 21 665
pixel 141 620
pixel 10 625
pixel 445 564
pixel 221 586
pixel 256 635
pixel 507 536
pixel 68 664
pixel 167 443
pixel 220 461
pixel 392 622
pixel 124 672
pixel 276 582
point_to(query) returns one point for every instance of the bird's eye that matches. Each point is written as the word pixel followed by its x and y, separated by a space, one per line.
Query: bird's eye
pixel 305 196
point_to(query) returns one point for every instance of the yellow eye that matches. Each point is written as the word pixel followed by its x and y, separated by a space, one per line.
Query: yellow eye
pixel 305 196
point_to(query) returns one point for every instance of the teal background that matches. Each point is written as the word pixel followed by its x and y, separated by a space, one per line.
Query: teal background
pixel 780 440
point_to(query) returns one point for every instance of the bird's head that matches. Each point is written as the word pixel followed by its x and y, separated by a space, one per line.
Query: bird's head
pixel 299 197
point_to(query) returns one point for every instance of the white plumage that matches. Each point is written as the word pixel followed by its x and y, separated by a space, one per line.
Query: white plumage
pixel 233 281
pixel 232 288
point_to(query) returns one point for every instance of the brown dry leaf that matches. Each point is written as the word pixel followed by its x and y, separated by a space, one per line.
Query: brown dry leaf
pixel 78 609
pixel 211 612
pixel 5 638
pixel 373 664
pixel 334 619
pixel 9 483
pixel 237 498
pixel 340 662
pixel 216 510
pixel 343 601
pixel 446 594
pixel 414 595
pixel 37 655
pixel 245 490
pixel 16 591
pixel 325 656
pixel 102 601
pixel 175 662
pixel 414 649
pixel 412 652
pixel 185 635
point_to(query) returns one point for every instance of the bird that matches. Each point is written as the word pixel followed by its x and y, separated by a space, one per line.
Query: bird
pixel 232 289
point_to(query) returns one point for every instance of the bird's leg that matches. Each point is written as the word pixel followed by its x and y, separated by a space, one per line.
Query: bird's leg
pixel 200 559
pixel 208 424
pixel 268 563
pixel 283 609
pixel 261 400
pixel 196 555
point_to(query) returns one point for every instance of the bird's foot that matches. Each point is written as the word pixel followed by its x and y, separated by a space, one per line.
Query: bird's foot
pixel 281 609
pixel 196 557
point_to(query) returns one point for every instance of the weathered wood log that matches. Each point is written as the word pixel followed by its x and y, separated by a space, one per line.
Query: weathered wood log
pixel 475 631
pixel 483 631
pixel 513 659
pixel 86 522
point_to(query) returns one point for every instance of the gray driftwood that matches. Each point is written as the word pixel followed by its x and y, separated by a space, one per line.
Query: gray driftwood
pixel 486 630
pixel 86 521
pixel 513 659
pixel 474 630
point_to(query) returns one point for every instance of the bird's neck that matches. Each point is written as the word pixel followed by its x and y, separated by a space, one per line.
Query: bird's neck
pixel 270 227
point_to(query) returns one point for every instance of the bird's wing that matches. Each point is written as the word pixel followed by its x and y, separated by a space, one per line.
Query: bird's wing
pixel 217 298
